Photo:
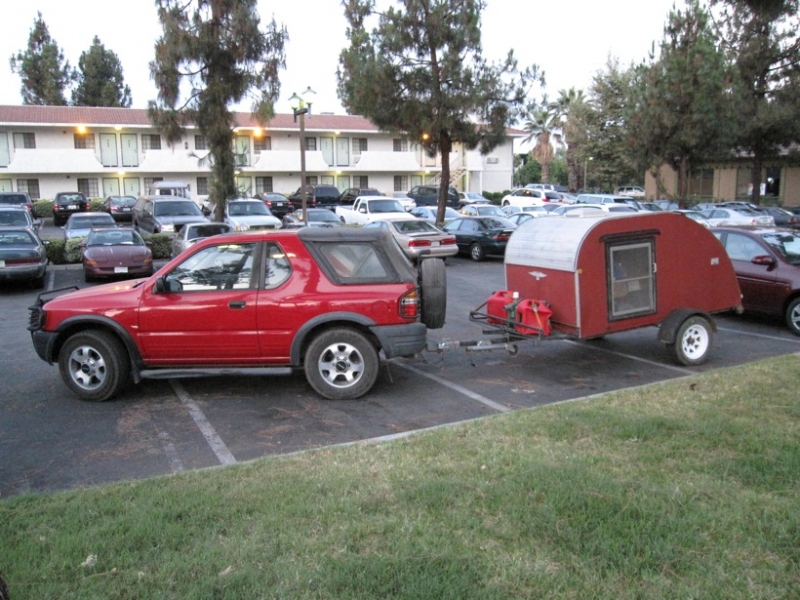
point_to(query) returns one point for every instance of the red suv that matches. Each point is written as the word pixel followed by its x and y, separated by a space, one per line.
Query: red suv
pixel 264 302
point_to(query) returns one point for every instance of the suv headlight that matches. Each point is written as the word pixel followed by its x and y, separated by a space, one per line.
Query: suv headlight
pixel 168 227
pixel 242 227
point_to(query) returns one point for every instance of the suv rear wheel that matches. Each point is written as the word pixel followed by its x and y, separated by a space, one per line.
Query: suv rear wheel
pixel 341 364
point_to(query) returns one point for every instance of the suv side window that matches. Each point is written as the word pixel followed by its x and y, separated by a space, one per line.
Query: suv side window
pixel 278 267
pixel 353 262
pixel 222 267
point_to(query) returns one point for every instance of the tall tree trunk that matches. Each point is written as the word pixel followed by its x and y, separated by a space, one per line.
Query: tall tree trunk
pixel 572 171
pixel 445 146
pixel 755 176
pixel 683 181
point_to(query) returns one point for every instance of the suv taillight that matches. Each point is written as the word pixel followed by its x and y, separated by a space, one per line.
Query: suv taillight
pixel 408 306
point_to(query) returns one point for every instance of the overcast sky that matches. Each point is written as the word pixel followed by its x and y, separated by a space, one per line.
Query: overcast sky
pixel 569 39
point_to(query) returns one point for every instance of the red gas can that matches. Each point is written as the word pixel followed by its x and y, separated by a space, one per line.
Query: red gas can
pixel 535 314
pixel 496 306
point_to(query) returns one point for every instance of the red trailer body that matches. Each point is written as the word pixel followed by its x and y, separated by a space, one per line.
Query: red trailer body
pixel 620 271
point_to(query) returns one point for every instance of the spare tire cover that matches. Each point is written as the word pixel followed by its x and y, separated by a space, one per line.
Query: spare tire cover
pixel 433 290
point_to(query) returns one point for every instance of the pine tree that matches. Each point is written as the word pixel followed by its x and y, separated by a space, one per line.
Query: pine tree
pixel 216 50
pixel 44 72
pixel 420 73
pixel 100 79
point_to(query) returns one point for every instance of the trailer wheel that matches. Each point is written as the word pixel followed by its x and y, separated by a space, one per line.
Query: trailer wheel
pixel 793 316
pixel 692 341
pixel 476 252
pixel 433 286
pixel 341 364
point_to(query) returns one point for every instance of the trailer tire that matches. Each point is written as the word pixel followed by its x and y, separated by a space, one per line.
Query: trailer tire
pixel 341 364
pixel 433 290
pixel 692 341
pixel 476 252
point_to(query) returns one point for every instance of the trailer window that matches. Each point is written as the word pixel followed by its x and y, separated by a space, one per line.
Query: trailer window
pixel 631 280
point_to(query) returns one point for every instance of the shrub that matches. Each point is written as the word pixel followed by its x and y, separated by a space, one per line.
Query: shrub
pixel 43 209
pixel 72 252
pixel 160 244
pixel 96 204
pixel 55 251
pixel 495 196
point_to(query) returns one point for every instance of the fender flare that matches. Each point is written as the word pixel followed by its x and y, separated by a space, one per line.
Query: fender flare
pixel 668 329
pixel 342 317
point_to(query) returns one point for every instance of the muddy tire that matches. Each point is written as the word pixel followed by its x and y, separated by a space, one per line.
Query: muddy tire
pixel 94 365
pixel 341 364
pixel 433 286
pixel 692 341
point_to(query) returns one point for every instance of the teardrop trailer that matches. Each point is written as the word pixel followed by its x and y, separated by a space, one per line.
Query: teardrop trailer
pixel 584 276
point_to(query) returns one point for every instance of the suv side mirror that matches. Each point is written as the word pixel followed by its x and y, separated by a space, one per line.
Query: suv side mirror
pixel 167 286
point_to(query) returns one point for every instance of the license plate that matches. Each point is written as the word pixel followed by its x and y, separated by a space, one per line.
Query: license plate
pixel 71 207
pixel 120 269
pixel 126 209
pixel 435 243
pixel 2 264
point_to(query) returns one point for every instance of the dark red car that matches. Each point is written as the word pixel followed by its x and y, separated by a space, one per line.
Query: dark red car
pixel 119 253
pixel 767 265
pixel 261 302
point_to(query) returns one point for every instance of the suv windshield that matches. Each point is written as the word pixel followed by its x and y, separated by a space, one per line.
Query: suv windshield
pixel 176 209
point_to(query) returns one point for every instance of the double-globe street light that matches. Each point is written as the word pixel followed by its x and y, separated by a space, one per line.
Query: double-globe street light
pixel 301 106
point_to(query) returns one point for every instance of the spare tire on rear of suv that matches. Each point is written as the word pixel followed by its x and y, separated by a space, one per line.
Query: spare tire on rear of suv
pixel 433 290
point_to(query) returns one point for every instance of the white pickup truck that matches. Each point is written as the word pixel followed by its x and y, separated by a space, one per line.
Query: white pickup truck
pixel 366 209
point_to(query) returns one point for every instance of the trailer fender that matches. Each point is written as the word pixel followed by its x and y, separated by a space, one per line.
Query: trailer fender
pixel 668 330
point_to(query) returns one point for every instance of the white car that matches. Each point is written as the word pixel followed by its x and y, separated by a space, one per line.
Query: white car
pixel 244 215
pixel 530 197
pixel 592 209
pixel 472 198
pixel 633 191
pixel 737 216
pixel 404 199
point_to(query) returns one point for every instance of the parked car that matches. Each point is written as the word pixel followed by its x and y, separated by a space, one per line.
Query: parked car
pixel 68 203
pixel 695 215
pixel 651 206
pixel 115 253
pixel 472 198
pixel 317 196
pixel 541 186
pixel 723 216
pixel 350 194
pixel 520 217
pixel 18 199
pixel 482 210
pixel 191 233
pixel 481 236
pixel 331 302
pixel 317 217
pixel 530 197
pixel 417 237
pixel 404 199
pixel 278 204
pixel 80 224
pixel 667 204
pixel 534 211
pixel 633 191
pixel 244 215
pixel 428 213
pixel 120 207
pixel 767 265
pixel 164 214
pixel 588 209
pixel 18 216
pixel 428 195
pixel 781 216
pixel 22 255
pixel 607 199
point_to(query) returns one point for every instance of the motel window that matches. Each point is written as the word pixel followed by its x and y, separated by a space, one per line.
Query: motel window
pixel 151 141
pixel 84 141
pixel 89 187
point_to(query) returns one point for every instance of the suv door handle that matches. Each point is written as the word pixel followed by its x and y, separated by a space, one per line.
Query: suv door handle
pixel 237 304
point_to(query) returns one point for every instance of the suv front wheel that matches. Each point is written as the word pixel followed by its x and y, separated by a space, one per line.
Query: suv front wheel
pixel 94 365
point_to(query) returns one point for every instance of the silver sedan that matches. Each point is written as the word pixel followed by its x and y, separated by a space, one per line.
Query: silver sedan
pixel 191 233
pixel 417 237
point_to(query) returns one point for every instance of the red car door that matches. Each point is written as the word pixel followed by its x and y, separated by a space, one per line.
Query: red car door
pixel 761 289
pixel 207 313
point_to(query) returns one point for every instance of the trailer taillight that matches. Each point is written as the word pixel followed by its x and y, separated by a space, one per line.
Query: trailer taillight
pixel 409 304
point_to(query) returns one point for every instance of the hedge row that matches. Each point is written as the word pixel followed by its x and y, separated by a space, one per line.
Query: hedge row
pixel 61 252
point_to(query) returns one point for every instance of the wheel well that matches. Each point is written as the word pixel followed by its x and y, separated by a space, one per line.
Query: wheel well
pixel 82 326
pixel 669 326
pixel 791 298
pixel 312 333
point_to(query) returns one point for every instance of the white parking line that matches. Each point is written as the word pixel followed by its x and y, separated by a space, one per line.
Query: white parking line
pixel 637 358
pixel 454 386
pixel 761 335
pixel 217 445
pixel 175 462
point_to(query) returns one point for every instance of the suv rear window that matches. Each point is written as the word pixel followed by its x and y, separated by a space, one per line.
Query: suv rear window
pixel 354 262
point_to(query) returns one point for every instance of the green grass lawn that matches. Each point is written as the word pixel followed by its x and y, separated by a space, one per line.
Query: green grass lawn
pixel 687 489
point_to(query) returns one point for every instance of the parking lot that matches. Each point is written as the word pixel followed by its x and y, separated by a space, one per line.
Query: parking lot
pixel 49 440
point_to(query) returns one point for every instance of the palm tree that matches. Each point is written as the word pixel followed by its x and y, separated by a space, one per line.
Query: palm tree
pixel 569 101
pixel 542 125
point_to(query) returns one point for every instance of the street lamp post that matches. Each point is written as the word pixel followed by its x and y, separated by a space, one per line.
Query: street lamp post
pixel 586 173
pixel 301 106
